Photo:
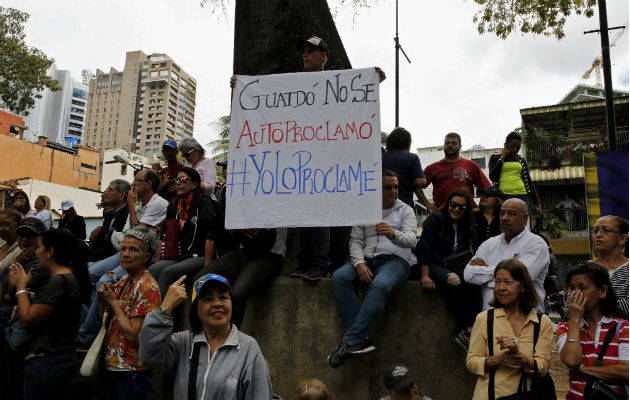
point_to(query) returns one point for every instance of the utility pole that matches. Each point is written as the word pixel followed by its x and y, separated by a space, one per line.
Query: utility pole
pixel 608 89
pixel 398 49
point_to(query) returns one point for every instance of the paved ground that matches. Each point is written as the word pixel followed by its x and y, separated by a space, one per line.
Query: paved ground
pixel 559 373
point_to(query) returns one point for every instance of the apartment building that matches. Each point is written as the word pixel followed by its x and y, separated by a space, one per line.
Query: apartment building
pixel 138 108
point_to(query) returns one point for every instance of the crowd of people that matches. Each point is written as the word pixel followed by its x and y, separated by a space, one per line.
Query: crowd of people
pixel 164 232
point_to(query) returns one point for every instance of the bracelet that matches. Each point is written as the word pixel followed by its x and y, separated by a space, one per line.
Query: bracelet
pixel 20 292
pixel 573 340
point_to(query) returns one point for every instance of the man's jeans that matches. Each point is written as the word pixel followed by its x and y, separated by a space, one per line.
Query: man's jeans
pixel 390 273
pixel 101 272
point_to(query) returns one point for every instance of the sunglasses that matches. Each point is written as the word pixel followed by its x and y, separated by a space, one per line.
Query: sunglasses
pixel 186 155
pixel 183 179
pixel 390 187
pixel 457 205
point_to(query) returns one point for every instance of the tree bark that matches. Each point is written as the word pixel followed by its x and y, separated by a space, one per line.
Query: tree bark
pixel 265 33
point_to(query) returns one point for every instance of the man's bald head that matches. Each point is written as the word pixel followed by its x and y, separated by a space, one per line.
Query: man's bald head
pixel 518 203
pixel 514 214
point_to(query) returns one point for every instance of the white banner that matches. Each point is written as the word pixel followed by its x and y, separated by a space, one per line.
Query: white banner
pixel 305 150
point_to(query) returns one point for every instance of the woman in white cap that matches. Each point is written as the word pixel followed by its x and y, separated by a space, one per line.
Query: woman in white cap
pixel 215 360
pixel 71 221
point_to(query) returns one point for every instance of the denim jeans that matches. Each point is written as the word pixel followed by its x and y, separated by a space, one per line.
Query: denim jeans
pixel 390 273
pixel 463 300
pixel 132 385
pixel 313 249
pixel 99 275
pixel 48 377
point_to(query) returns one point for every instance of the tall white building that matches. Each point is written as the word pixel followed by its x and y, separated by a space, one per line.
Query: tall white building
pixel 60 116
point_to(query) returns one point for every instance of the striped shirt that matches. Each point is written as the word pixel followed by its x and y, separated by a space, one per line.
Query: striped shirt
pixel 619 280
pixel 617 351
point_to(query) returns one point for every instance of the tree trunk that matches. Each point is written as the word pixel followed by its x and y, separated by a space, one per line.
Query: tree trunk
pixel 265 33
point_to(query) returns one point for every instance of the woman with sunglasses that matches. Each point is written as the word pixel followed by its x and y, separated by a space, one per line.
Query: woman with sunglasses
pixel 446 232
pixel 189 232
pixel 207 169
pixel 610 237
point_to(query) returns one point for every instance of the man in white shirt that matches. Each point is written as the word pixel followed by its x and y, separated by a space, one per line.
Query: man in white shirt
pixel 515 242
pixel 380 256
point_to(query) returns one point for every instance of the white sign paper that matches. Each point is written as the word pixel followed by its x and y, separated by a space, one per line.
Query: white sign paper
pixel 305 150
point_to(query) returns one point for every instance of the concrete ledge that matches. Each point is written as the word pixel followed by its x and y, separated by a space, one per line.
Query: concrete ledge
pixel 297 324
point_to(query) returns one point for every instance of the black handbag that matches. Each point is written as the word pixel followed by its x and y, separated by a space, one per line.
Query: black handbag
pixel 597 389
pixel 542 388
pixel 458 261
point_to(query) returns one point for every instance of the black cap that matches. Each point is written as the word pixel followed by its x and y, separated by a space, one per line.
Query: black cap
pixel 31 225
pixel 491 191
pixel 398 377
pixel 313 41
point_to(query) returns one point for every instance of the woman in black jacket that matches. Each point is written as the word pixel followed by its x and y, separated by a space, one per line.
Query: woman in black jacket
pixel 448 232
pixel 189 232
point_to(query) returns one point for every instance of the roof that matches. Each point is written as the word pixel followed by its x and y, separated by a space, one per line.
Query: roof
pixel 596 92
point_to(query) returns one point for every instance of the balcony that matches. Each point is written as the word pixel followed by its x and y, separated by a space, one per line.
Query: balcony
pixel 155 79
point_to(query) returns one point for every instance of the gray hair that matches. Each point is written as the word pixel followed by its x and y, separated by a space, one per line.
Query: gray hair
pixel 190 144
pixel 121 185
pixel 148 238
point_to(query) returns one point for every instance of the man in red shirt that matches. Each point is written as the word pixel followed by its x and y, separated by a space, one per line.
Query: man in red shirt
pixel 452 172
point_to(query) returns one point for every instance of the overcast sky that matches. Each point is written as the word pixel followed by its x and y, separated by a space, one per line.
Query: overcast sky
pixel 457 81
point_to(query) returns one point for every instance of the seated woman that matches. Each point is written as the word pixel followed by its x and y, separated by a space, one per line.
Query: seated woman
pixel 487 216
pixel 130 299
pixel 190 225
pixel 610 236
pixel 194 153
pixel 591 307
pixel 238 370
pixel 515 353
pixel 8 225
pixel 42 208
pixel 21 204
pixel 51 316
pixel 447 232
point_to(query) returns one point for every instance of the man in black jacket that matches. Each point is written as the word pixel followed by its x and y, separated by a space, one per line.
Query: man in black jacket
pixel 115 196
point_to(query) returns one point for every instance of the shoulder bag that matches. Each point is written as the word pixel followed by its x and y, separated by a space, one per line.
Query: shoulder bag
pixel 542 388
pixel 92 359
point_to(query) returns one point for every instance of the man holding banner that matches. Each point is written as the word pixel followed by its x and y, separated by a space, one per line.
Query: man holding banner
pixel 380 256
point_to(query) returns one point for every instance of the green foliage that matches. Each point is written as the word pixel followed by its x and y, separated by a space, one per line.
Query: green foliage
pixel 554 227
pixel 538 17
pixel 221 146
pixel 22 68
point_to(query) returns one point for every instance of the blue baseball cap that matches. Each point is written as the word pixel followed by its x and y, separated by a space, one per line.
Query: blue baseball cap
pixel 201 282
pixel 170 143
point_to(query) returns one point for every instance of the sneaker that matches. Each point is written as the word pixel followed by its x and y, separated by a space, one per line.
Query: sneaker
pixel 362 348
pixel 463 339
pixel 313 274
pixel 335 359
pixel 298 272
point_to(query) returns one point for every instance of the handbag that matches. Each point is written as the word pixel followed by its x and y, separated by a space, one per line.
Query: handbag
pixel 170 241
pixel 541 388
pixel 92 359
pixel 598 389
pixel 16 335
pixel 458 261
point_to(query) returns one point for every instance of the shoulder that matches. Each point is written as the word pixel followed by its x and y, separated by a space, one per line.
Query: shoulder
pixel 545 321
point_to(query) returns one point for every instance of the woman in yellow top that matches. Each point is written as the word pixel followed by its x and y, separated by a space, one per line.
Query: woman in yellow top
pixel 514 320
pixel 509 171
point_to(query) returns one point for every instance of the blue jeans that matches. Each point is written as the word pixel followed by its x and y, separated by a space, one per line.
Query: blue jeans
pixel 132 385
pixel 313 249
pixel 166 272
pixel 390 273
pixel 48 377
pixel 101 272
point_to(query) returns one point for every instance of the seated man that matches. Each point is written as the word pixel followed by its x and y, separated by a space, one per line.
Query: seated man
pixel 515 242
pixel 257 261
pixel 114 198
pixel 379 256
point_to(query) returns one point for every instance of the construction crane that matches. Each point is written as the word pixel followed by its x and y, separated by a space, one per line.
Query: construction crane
pixel 597 63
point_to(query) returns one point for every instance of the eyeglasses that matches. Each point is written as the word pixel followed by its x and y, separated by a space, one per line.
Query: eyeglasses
pixel 186 155
pixel 457 205
pixel 604 230
pixel 140 180
pixel 183 179
pixel 390 187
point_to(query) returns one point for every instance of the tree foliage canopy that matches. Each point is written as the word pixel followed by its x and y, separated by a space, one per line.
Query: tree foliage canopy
pixel 539 17
pixel 22 68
